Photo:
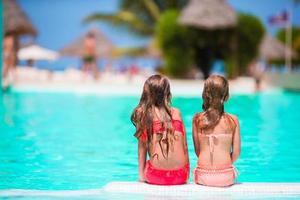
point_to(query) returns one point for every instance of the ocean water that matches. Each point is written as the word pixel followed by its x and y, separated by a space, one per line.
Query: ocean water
pixel 61 141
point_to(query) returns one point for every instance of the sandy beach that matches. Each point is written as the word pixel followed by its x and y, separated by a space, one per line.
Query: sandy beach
pixel 72 80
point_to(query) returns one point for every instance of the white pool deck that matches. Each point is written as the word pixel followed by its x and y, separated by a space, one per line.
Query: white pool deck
pixel 271 189
pixel 73 81
pixel 265 188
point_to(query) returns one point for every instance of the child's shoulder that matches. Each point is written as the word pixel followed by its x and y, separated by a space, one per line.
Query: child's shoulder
pixel 234 119
pixel 198 115
pixel 232 116
pixel 175 110
pixel 176 114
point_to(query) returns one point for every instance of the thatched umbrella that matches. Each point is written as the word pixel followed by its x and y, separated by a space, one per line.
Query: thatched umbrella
pixel 15 20
pixel 104 47
pixel 16 23
pixel 208 14
pixel 272 49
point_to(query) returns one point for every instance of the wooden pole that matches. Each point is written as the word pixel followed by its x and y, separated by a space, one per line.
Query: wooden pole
pixel 288 40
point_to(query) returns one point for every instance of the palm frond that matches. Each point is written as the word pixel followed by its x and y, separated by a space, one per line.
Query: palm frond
pixel 127 18
pixel 153 9
pixel 133 51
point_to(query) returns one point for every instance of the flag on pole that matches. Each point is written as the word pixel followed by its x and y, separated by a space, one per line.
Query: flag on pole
pixel 280 19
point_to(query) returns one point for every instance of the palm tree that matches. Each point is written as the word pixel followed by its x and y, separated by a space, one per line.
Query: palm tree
pixel 139 16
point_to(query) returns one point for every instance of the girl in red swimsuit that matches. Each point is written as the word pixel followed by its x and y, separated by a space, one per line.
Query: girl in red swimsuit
pixel 216 136
pixel 161 134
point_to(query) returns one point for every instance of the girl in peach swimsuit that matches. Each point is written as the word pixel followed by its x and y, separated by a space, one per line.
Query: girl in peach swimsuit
pixel 216 136
pixel 161 133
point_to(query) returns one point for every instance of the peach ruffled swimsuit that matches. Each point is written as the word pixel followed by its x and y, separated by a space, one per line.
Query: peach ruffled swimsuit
pixel 218 176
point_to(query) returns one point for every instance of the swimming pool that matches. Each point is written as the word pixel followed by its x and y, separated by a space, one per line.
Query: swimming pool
pixel 61 141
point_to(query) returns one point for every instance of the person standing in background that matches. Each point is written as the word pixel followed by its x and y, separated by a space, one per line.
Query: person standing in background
pixel 8 60
pixel 89 56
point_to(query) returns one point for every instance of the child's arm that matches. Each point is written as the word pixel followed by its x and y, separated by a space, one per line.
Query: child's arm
pixel 142 155
pixel 185 139
pixel 195 137
pixel 236 144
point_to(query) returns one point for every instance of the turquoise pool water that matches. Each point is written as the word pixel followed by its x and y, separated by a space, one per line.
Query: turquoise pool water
pixel 57 141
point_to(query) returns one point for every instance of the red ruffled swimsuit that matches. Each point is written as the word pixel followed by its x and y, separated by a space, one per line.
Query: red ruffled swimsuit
pixel 157 176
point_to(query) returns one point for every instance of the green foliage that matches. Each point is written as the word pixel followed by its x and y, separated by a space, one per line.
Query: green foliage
pixel 231 67
pixel 281 35
pixel 212 45
pixel 185 46
pixel 138 16
pixel 250 32
pixel 296 45
pixel 124 18
pixel 175 44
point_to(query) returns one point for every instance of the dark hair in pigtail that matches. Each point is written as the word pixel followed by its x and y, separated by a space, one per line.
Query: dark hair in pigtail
pixel 215 94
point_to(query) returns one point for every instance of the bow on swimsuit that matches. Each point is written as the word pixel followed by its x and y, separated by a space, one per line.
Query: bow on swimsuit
pixel 157 176
pixel 219 176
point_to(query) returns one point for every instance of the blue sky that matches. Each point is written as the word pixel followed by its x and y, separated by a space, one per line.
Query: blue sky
pixel 59 21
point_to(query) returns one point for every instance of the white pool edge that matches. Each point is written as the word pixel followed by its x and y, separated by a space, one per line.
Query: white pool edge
pixel 255 188
pixel 274 189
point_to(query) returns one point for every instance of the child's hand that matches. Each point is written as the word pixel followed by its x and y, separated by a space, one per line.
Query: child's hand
pixel 142 179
